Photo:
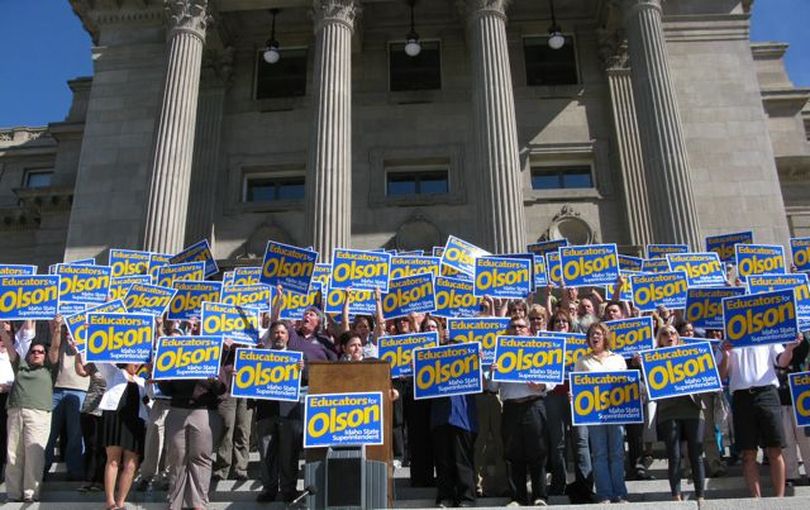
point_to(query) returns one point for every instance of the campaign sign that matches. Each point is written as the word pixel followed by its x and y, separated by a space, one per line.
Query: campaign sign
pixel 34 297
pixel 576 347
pixel 402 266
pixel 343 419
pixel 460 255
pixel 484 330
pixel 660 251
pixel 66 309
pixel 151 299
pixel 128 262
pixel 796 281
pixel 198 252
pixel 187 357
pixel 257 295
pixel 411 294
pixel 704 307
pixel 500 277
pixel 655 266
pixel 119 337
pixel 453 369
pixel 631 335
pixel 238 323
pixel 659 289
pixel 680 370
pixel 83 284
pixel 455 298
pixel 800 390
pixel 322 274
pixel 246 276
pixel 529 258
pixel 723 245
pixel 185 272
pixel 398 350
pixel 626 293
pixel 799 249
pixel 288 266
pixel 17 270
pixel 540 276
pixel 156 261
pixel 702 269
pixel 582 266
pixel 628 263
pixel 537 359
pixel 77 323
pixel 760 319
pixel 187 303
pixel 543 247
pixel 120 286
pixel 227 278
pixel 361 302
pixel 360 269
pixel 760 259
pixel 267 374
pixel 606 398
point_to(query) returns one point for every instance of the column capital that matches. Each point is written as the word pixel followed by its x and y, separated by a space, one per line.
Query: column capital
pixel 344 12
pixel 631 6
pixel 189 16
pixel 613 50
pixel 471 9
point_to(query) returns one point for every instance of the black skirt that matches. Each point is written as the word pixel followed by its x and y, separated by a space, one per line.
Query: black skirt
pixel 124 428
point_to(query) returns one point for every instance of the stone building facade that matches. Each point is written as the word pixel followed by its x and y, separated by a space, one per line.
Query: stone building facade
pixel 658 121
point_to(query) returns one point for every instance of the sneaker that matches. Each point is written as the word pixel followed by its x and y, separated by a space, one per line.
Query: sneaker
pixel 540 502
pixel 445 503
pixel 397 464
pixel 513 503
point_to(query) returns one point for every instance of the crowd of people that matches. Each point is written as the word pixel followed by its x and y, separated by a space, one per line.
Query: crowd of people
pixel 115 428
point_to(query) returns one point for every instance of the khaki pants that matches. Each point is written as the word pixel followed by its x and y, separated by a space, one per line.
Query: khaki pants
pixel 191 435
pixel 488 450
pixel 794 436
pixel 155 439
pixel 28 431
pixel 233 452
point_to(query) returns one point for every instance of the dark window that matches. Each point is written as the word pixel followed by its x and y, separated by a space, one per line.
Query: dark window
pixel 271 189
pixel 432 182
pixel 545 66
pixel 561 178
pixel 38 178
pixel 285 78
pixel 422 72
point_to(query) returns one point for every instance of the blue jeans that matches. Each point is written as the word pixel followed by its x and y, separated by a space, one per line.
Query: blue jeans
pixel 67 405
pixel 607 448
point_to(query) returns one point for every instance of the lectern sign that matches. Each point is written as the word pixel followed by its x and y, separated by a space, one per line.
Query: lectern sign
pixel 343 419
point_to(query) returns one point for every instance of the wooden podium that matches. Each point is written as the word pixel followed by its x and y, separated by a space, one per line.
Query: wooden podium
pixel 345 377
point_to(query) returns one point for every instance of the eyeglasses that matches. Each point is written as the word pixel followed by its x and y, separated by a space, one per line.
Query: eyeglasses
pixel 37 351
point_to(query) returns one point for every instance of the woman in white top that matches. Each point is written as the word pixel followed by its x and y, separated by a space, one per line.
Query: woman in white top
pixel 23 337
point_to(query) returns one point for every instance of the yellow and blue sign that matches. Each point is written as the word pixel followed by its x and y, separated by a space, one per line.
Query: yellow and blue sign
pixel 723 244
pixel 359 269
pixel 659 289
pixel 655 266
pixel 796 281
pixel 606 398
pixel 576 347
pixel 158 260
pixel 187 357
pixel 246 276
pixel 680 370
pixel 267 374
pixel 447 370
pixel 343 419
pixel 631 335
pixel 322 274
pixel 543 247
pixel 628 263
pixel 288 266
pixel 294 305
pixel 17 270
pixel 660 251
pixel 34 297
pixel 755 259
pixel 187 303
pixel 150 299
pixel 411 294
pixel 402 266
pixel 460 255
pixel 484 330
pixel 227 278
pixel 83 283
pixel 800 390
pixel 90 261
pixel 800 253
pixel 257 296
pixel 237 323
pixel 361 302
pixel 704 307
pixel 398 350
pixel 198 252
pixel 455 298
pixel 554 268
pixel 702 269
pixel 121 285
pixel 66 309
pixel 119 337
pixel 501 277
pixel 128 262
pixel 186 272
pixel 596 264
pixel 540 276
pixel 760 319
pixel 626 293
pixel 77 323
pixel 537 359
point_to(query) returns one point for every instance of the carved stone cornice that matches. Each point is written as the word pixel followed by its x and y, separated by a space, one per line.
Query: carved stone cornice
pixel 472 9
pixel 189 16
pixel 612 51
pixel 345 12
pixel 97 13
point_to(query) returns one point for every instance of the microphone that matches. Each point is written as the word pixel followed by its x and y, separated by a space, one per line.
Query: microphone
pixel 308 490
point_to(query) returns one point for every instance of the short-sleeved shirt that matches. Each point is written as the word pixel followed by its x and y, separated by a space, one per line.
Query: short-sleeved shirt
pixel 33 387
pixel 592 363
pixel 750 367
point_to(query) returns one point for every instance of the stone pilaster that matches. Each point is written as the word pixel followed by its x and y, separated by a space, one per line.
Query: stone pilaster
pixel 672 205
pixel 174 141
pixel 329 174
pixel 498 162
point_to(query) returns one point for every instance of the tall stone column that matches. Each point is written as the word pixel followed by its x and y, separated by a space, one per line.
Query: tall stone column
pixel 174 141
pixel 329 173
pixel 498 160
pixel 672 203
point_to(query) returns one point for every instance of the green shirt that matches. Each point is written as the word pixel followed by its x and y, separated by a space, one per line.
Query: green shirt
pixel 33 387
